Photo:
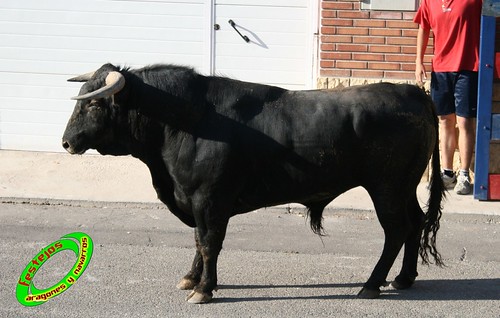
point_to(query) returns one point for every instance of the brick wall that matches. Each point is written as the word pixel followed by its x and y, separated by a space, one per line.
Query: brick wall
pixel 362 45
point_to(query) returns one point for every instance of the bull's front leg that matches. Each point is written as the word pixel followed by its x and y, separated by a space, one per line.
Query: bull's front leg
pixel 209 240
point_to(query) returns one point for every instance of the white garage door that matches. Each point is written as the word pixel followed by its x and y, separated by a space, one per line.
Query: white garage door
pixel 278 46
pixel 44 42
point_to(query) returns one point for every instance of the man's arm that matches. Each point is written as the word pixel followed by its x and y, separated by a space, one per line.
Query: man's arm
pixel 422 41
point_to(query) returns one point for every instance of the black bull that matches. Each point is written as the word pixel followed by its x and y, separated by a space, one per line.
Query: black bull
pixel 218 147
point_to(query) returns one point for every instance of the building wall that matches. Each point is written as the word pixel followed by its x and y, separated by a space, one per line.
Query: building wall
pixel 359 46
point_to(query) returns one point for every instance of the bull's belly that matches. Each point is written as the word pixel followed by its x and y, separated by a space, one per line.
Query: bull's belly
pixel 286 190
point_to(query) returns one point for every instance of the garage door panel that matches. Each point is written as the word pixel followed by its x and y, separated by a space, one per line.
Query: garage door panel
pixel 265 3
pixel 31 142
pixel 84 45
pixel 265 12
pixel 34 129
pixel 267 64
pixel 99 57
pixel 42 43
pixel 172 7
pixel 291 79
pixel 103 19
pixel 277 51
pixel 18 120
pixel 37 92
pixel 103 32
pixel 61 105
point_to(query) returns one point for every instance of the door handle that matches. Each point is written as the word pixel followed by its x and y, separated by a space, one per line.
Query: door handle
pixel 244 37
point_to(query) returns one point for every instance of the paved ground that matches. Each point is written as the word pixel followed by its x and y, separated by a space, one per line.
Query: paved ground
pixel 271 265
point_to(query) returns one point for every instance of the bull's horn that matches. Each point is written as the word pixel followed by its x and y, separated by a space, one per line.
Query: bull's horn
pixel 114 83
pixel 82 78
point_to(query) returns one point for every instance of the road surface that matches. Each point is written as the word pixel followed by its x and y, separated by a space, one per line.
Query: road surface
pixel 272 265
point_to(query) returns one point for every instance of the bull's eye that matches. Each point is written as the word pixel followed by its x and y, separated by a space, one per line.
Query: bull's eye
pixel 93 106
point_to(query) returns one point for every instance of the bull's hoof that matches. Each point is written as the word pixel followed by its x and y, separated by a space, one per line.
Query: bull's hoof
pixel 369 293
pixel 403 282
pixel 399 285
pixel 198 298
pixel 186 284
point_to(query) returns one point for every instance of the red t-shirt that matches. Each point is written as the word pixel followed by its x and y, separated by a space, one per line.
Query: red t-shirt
pixel 456 25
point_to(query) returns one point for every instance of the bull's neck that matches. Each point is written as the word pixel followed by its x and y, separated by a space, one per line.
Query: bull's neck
pixel 175 105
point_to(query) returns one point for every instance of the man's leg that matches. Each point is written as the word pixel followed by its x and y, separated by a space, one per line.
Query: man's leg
pixel 447 140
pixel 466 141
pixel 466 109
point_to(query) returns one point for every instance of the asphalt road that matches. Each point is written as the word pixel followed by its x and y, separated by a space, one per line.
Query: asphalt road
pixel 271 266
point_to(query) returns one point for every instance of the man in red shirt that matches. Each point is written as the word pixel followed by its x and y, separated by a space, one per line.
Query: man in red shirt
pixel 456 28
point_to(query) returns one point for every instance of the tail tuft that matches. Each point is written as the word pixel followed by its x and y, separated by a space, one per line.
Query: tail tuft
pixel 434 213
pixel 315 214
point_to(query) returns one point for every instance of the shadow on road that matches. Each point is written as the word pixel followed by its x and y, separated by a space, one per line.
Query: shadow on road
pixel 428 290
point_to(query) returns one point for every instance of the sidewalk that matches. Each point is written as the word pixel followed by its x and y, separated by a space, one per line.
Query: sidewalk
pixel 90 177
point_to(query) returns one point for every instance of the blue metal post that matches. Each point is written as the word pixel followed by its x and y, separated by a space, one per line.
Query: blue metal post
pixel 485 90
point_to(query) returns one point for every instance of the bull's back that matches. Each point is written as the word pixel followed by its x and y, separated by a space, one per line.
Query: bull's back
pixel 331 140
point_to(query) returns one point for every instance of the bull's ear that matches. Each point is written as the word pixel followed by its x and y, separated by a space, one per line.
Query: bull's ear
pixel 82 78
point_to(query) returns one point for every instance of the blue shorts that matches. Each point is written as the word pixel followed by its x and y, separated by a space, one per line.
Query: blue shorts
pixel 455 93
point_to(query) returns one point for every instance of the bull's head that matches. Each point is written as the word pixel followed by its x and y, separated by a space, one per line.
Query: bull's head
pixel 91 124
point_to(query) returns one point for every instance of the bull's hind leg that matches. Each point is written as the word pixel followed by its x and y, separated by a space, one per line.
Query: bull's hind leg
pixel 192 278
pixel 408 273
pixel 392 214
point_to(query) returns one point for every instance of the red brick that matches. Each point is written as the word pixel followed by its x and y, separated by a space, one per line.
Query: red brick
pixel 328 14
pixel 413 50
pixel 327 47
pixel 368 57
pixel 399 75
pixel 401 41
pixel 383 66
pixel 367 74
pixel 409 67
pixel 384 49
pixel 401 24
pixel 328 22
pixel 335 56
pixel 385 32
pixel 400 58
pixel 337 5
pixel 335 73
pixel 353 14
pixel 352 47
pixel 351 64
pixel 352 31
pixel 328 30
pixel 369 39
pixel 409 15
pixel 339 22
pixel 336 39
pixel 409 49
pixel 386 15
pixel 410 33
pixel 327 64
pixel 369 23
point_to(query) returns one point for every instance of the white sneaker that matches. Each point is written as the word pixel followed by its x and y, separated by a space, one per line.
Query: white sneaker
pixel 463 185
pixel 449 182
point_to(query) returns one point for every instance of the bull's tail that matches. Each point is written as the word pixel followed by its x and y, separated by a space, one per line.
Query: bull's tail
pixel 315 214
pixel 434 212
